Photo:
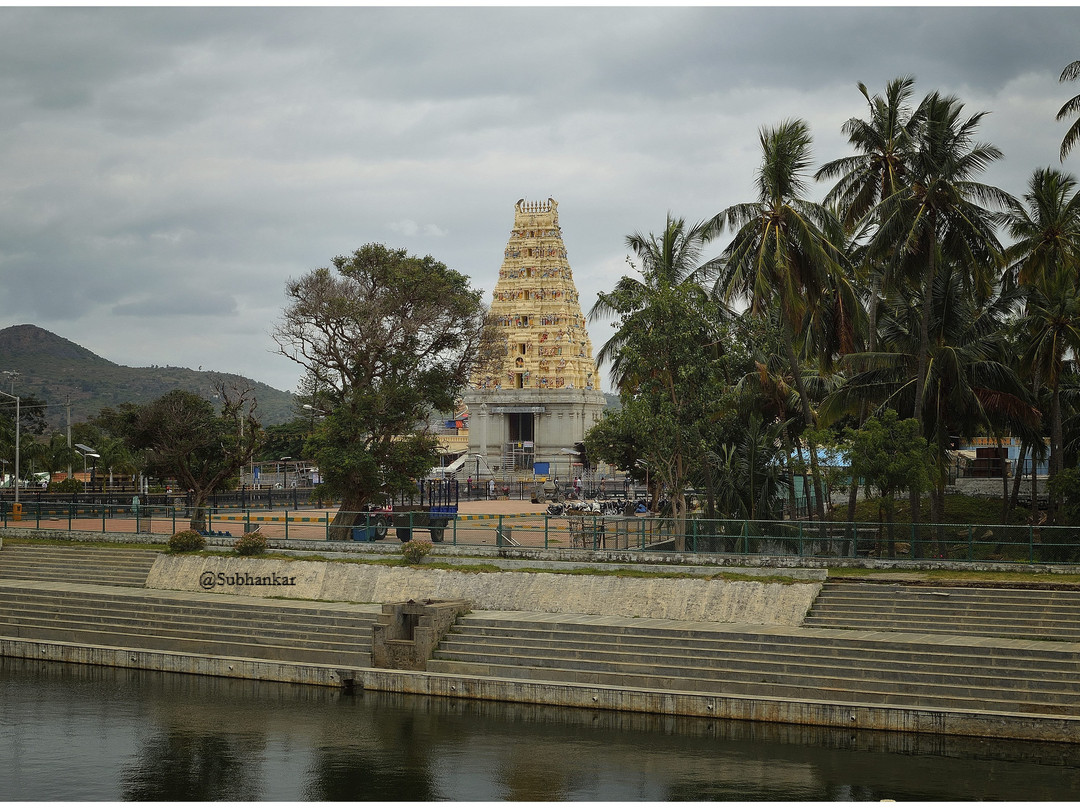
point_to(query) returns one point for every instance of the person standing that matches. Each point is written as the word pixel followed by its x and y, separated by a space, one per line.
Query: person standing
pixel 491 488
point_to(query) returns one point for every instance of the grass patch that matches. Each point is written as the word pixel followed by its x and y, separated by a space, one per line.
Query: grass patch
pixel 16 540
pixel 1017 576
pixel 646 573
pixel 960 509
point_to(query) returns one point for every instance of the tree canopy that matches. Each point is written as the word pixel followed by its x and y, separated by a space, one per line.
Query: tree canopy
pixel 385 338
pixel 182 437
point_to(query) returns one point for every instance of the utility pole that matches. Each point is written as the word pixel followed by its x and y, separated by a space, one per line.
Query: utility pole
pixel 69 432
pixel 17 417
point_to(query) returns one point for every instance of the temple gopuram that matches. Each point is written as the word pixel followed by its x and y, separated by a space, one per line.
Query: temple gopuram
pixel 546 394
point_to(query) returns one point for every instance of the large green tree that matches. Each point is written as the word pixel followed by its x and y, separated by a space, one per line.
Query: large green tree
pixel 971 388
pixel 663 355
pixel 780 256
pixel 940 216
pixel 889 455
pixel 184 438
pixel 883 143
pixel 386 338
pixel 1044 259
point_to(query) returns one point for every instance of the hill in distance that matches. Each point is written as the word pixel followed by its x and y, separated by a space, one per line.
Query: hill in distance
pixel 57 370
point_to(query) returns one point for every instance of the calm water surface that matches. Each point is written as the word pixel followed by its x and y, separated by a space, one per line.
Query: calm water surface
pixel 69 732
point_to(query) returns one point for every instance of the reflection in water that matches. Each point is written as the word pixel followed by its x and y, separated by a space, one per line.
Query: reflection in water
pixel 179 765
pixel 69 732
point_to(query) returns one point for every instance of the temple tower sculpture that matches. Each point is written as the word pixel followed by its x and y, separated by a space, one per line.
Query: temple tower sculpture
pixel 546 394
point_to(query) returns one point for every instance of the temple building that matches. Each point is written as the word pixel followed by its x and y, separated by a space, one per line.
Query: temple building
pixel 546 394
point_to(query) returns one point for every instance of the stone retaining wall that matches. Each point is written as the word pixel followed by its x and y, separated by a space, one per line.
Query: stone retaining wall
pixel 717 600
pixel 713 705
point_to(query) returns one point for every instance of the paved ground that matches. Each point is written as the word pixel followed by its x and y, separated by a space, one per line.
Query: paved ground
pixel 477 524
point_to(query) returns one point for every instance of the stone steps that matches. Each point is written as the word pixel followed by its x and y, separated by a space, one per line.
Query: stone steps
pixel 751 652
pixel 75 564
pixel 821 665
pixel 210 624
pixel 1023 613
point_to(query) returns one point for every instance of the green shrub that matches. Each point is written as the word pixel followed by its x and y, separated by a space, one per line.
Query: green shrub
pixel 415 550
pixel 186 541
pixel 68 486
pixel 253 543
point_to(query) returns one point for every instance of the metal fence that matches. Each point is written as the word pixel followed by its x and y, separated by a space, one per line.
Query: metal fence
pixel 644 533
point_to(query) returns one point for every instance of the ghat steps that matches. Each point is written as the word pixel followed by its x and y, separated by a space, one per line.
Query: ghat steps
pixel 881 668
pixel 957 649
pixel 87 565
pixel 208 624
pixel 1048 614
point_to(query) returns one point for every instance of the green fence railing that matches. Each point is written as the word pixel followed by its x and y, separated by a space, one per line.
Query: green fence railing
pixel 1023 544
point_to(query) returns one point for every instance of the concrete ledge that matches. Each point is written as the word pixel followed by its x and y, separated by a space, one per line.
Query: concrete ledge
pixel 808 713
pixel 175 662
pixel 596 697
pixel 694 599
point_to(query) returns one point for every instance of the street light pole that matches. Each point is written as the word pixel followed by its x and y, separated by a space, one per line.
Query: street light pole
pixel 9 395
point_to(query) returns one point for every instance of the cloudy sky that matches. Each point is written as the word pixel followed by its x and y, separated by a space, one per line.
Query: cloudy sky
pixel 165 171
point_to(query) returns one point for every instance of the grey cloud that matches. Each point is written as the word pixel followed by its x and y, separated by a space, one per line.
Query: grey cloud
pixel 233 148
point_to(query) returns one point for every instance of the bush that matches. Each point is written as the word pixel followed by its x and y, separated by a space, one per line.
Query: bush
pixel 253 543
pixel 415 550
pixel 67 486
pixel 186 541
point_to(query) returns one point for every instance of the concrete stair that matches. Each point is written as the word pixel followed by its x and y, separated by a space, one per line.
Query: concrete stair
pixel 202 623
pixel 954 673
pixel 117 566
pixel 1047 614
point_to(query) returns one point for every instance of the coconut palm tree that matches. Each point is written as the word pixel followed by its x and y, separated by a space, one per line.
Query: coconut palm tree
pixel 117 458
pixel 970 387
pixel 664 263
pixel 1045 226
pixel 663 353
pixel 1052 322
pixel 878 170
pixel 1071 107
pixel 1045 260
pixel 779 256
pixel 59 455
pixel 883 144
pixel 938 216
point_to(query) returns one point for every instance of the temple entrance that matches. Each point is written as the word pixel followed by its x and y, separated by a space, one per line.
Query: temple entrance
pixel 521 426
pixel 519 451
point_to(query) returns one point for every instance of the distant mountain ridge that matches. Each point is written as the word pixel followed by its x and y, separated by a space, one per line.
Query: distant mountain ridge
pixel 58 370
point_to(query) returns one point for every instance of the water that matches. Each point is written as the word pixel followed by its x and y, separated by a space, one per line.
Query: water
pixel 70 732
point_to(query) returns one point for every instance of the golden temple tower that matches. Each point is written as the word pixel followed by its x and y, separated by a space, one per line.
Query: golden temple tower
pixel 545 396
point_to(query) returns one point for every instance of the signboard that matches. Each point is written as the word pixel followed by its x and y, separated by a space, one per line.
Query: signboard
pixel 542 469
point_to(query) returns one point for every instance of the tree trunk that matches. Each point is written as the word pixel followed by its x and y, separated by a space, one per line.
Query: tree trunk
pixel 1055 448
pixel 808 420
pixel 1004 479
pixel 805 485
pixel 1018 476
pixel 349 514
pixel 937 498
pixel 853 493
pixel 678 507
pixel 1034 487
pixel 198 511
pixel 852 501
pixel 924 346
